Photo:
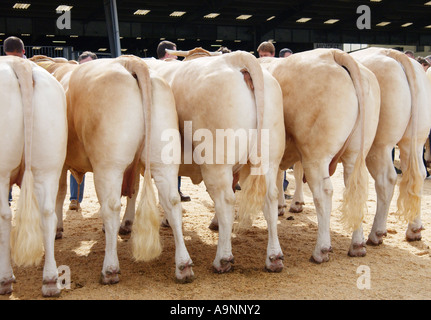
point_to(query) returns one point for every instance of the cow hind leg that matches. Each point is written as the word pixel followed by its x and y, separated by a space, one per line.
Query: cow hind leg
pixel 381 168
pixel 165 179
pixel 321 187
pixel 6 274
pixel 46 188
pixel 274 258
pixel 129 213
pixel 297 204
pixel 61 195
pixel 108 189
pixel 411 185
pixel 218 181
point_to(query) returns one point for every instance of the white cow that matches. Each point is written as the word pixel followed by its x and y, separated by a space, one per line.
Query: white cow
pixel 222 93
pixel 117 110
pixel 32 152
pixel 331 108
pixel 405 120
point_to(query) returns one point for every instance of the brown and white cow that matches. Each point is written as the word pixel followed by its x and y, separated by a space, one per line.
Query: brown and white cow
pixel 331 108
pixel 33 126
pixel 230 92
pixel 117 113
pixel 405 120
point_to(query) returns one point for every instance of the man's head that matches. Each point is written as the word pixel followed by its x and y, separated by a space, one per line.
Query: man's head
pixel 285 53
pixel 13 46
pixel 161 50
pixel 266 49
pixel 86 56
pixel 410 54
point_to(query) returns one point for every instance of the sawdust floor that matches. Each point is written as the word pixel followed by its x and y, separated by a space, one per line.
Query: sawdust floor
pixel 398 269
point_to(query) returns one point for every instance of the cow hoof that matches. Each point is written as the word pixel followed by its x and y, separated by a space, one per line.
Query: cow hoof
pixel 323 256
pixel 225 265
pixel 275 263
pixel 296 207
pixel 59 233
pixel 126 229
pixel 111 277
pixel 357 250
pixel 165 223
pixel 49 288
pixel 281 210
pixel 414 234
pixel 6 286
pixel 213 226
pixel 185 273
pixel 376 238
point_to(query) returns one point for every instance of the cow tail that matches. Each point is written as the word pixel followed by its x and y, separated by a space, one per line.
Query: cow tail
pixel 355 196
pixel 410 187
pixel 254 187
pixel 26 235
pixel 145 235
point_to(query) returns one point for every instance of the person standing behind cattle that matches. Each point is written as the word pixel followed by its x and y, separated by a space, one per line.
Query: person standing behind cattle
pixel 163 55
pixel 266 49
pixel 75 204
pixel 285 52
pixel 13 46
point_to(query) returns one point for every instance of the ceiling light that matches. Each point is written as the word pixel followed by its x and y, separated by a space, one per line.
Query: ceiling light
pixel 177 13
pixel 58 41
pixel 37 48
pixel 22 6
pixel 181 39
pixel 141 12
pixel 123 50
pixel 331 21
pixel 211 15
pixel 237 41
pixel 270 18
pixel 63 7
pixel 428 27
pixel 303 20
pixel 50 36
pixel 25 34
pixel 74 36
pixel 244 17
pixel 408 24
pixel 102 49
pixel 58 48
pixel 427 3
pixel 383 24
pixel 375 0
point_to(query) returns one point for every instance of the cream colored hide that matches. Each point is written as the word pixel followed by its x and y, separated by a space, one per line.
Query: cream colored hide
pixel 225 92
pixel 32 152
pixel 331 108
pixel 405 120
pixel 113 104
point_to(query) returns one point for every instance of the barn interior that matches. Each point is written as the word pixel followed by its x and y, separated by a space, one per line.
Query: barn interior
pixel 114 27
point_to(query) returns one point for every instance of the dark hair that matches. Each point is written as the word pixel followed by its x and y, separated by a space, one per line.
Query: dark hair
pixel 422 61
pixel 161 48
pixel 87 54
pixel 283 52
pixel 224 50
pixel 13 44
